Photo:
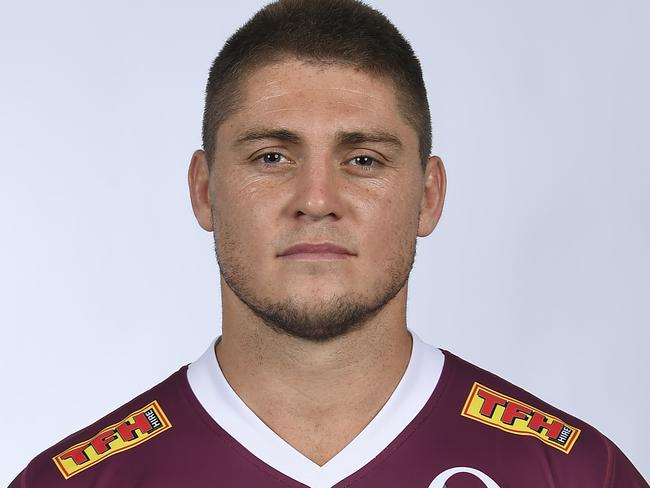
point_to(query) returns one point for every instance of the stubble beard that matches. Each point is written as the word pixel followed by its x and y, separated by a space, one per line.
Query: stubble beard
pixel 332 316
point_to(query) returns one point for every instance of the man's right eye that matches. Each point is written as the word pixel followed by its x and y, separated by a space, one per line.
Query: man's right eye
pixel 270 158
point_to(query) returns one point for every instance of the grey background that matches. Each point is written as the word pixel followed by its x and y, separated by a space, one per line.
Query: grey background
pixel 538 271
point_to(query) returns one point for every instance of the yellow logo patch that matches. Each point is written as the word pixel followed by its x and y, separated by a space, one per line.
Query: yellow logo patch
pixel 503 412
pixel 135 429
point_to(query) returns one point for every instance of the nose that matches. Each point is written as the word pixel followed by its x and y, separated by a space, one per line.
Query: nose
pixel 316 191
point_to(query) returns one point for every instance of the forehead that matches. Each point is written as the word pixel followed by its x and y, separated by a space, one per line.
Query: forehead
pixel 316 99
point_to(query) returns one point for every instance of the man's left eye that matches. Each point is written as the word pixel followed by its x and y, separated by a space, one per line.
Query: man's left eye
pixel 365 162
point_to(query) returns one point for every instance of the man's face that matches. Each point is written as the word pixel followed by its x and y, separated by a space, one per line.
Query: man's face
pixel 318 154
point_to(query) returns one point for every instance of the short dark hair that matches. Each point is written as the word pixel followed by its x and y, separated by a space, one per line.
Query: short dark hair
pixel 346 32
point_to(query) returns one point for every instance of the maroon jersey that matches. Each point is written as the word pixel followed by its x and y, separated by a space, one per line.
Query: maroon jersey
pixel 447 424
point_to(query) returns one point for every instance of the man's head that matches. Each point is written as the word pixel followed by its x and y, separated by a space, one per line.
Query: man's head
pixel 315 149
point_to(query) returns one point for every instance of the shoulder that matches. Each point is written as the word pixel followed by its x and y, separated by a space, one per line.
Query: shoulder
pixel 501 403
pixel 529 428
pixel 141 424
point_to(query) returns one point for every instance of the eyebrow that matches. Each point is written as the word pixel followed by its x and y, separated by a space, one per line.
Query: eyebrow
pixel 343 138
pixel 376 136
pixel 261 133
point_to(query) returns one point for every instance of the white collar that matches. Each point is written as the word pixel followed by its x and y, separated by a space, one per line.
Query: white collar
pixel 228 410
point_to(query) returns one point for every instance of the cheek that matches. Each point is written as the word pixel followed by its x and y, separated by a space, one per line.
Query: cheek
pixel 241 213
pixel 392 231
pixel 395 215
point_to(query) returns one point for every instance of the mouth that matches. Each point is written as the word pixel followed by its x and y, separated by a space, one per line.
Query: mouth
pixel 316 256
pixel 325 251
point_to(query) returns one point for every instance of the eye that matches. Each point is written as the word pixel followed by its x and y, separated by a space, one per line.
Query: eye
pixel 270 159
pixel 364 162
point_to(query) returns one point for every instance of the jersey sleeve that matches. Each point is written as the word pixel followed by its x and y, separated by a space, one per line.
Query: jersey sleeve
pixel 621 472
pixel 19 481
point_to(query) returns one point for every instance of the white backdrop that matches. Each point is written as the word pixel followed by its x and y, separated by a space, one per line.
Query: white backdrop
pixel 538 271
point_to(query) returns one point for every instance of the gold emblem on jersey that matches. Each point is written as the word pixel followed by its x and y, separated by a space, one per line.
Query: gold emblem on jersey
pixel 138 427
pixel 503 412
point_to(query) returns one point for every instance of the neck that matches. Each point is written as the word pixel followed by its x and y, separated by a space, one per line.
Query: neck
pixel 317 396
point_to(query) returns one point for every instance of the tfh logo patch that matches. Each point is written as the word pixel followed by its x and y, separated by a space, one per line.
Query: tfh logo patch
pixel 135 429
pixel 503 412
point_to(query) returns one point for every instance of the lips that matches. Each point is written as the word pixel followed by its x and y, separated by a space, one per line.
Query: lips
pixel 321 248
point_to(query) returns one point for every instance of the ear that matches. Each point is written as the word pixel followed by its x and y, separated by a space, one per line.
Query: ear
pixel 198 177
pixel 433 197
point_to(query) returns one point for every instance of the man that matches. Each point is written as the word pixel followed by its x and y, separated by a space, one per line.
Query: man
pixel 316 181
